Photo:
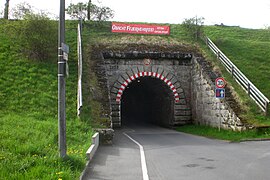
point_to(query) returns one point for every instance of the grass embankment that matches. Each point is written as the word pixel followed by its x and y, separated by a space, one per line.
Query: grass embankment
pixel 222 134
pixel 249 50
pixel 98 33
pixel 28 116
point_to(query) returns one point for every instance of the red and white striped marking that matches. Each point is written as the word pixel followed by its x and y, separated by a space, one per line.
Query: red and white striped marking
pixel 142 74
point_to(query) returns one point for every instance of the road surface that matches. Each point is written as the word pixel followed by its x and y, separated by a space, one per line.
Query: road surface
pixel 156 153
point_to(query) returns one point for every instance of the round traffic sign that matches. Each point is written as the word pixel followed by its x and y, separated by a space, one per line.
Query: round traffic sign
pixel 147 62
pixel 220 82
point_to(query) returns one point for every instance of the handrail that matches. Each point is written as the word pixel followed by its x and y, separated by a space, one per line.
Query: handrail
pixel 261 100
pixel 79 51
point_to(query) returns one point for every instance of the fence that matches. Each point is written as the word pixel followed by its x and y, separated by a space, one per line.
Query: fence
pixel 252 91
pixel 79 92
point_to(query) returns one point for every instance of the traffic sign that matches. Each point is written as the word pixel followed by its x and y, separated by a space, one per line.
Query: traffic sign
pixel 65 56
pixel 147 62
pixel 65 48
pixel 220 82
pixel 220 93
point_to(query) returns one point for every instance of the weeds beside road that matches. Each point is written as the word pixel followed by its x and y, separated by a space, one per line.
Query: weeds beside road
pixel 222 134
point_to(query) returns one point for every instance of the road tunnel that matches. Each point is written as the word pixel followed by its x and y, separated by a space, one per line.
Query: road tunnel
pixel 147 100
pixel 162 85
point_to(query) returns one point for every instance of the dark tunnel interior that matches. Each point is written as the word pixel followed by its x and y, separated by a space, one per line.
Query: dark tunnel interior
pixel 147 100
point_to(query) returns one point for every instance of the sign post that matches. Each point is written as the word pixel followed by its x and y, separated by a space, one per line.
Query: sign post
pixel 220 93
pixel 62 83
pixel 220 84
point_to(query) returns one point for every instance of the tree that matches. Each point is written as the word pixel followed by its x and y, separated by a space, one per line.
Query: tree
pixel 77 11
pixel 89 11
pixel 6 11
pixel 194 26
pixel 104 13
pixel 21 10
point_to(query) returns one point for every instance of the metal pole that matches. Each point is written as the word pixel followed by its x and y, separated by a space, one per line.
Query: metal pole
pixel 88 10
pixel 61 83
pixel 6 11
pixel 219 116
pixel 266 108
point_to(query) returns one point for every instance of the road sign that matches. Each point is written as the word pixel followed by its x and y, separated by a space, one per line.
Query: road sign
pixel 65 56
pixel 220 82
pixel 65 48
pixel 147 62
pixel 220 93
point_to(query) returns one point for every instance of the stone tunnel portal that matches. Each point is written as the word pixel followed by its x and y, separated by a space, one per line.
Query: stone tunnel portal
pixel 157 92
pixel 147 100
pixel 167 87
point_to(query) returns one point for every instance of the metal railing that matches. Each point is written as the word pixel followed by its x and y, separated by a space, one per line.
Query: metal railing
pixel 246 84
pixel 79 51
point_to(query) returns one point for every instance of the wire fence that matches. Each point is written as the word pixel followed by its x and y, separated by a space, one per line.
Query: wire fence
pixel 247 85
pixel 79 51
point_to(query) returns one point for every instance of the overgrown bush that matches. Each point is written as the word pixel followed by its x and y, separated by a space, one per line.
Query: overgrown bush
pixel 35 37
pixel 39 37
pixel 194 26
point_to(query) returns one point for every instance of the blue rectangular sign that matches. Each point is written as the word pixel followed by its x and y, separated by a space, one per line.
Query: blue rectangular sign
pixel 220 93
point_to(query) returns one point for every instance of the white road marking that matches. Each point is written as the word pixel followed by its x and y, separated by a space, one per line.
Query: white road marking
pixel 143 161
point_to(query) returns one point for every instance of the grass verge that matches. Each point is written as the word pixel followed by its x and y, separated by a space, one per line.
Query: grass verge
pixel 29 148
pixel 222 134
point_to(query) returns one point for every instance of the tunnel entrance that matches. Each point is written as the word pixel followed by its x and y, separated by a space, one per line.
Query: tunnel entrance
pixel 147 100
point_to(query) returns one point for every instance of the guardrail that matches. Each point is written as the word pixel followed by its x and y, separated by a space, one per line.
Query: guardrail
pixel 246 84
pixel 79 51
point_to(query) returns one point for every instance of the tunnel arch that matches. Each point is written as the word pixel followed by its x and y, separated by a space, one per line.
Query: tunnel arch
pixel 179 102
pixel 135 76
pixel 145 101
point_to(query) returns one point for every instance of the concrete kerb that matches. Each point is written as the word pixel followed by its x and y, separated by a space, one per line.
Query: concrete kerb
pixel 257 139
pixel 91 151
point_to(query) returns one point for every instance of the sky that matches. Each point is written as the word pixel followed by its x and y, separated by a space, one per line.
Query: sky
pixel 245 13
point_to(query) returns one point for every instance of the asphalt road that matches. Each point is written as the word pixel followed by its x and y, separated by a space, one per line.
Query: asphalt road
pixel 170 155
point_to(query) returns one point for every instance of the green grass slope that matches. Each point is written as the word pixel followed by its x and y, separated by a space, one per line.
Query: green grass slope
pixel 28 116
pixel 248 49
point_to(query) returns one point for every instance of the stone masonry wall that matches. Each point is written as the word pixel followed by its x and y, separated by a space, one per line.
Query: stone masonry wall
pixel 206 108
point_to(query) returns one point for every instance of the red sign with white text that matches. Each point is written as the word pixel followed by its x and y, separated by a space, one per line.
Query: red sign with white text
pixel 140 29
